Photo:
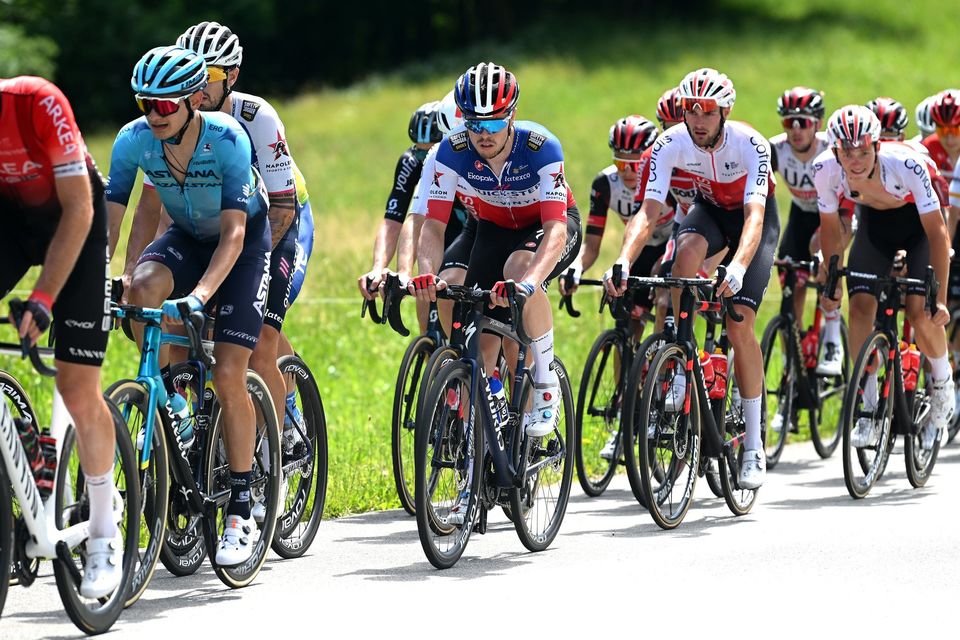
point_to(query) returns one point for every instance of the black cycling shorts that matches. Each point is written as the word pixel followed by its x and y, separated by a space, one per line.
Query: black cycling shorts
pixel 722 228
pixel 283 261
pixel 457 253
pixel 81 313
pixel 495 244
pixel 242 298
pixel 881 233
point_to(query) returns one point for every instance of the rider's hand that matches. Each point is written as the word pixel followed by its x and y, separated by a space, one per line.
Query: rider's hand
pixel 172 313
pixel 425 286
pixel 374 278
pixel 36 316
pixel 733 280
pixel 570 280
pixel 498 292
pixel 942 316
pixel 617 289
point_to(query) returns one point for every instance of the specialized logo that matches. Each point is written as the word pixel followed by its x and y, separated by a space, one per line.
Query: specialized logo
pixel 248 110
pixel 279 147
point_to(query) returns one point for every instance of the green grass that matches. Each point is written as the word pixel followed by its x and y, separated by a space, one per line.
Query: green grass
pixel 577 77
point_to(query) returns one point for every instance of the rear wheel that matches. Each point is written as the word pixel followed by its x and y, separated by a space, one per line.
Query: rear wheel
pixel 920 461
pixel 825 430
pixel 630 444
pixel 738 500
pixel 598 413
pixel 406 401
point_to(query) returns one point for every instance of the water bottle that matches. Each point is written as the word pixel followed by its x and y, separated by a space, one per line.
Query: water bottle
pixel 706 365
pixel 31 443
pixel 910 364
pixel 809 346
pixel 180 416
pixel 48 474
pixel 719 388
pixel 499 408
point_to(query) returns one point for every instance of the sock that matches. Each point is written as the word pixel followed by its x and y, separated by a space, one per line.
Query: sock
pixel 542 348
pixel 239 504
pixel 940 368
pixel 870 392
pixel 831 326
pixel 100 493
pixel 167 380
pixel 751 416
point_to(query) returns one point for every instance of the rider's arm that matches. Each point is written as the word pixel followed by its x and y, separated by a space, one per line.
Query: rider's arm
pixel 233 224
pixel 750 237
pixel 123 172
pixel 143 229
pixel 76 202
pixel 755 193
pixel 939 240
pixel 405 178
pixel 596 222
pixel 272 155
pixel 442 191
pixel 653 188
pixel 548 253
pixel 407 251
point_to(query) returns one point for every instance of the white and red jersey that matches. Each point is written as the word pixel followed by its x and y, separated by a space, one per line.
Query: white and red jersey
pixel 946 164
pixel 904 174
pixel 735 173
pixel 609 192
pixel 683 190
pixel 797 173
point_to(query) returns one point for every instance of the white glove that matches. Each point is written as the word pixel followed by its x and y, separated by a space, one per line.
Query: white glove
pixel 734 277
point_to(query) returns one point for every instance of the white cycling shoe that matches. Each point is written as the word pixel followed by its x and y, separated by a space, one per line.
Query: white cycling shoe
pixel 237 542
pixel 545 415
pixel 754 469
pixel 103 569
pixel 676 394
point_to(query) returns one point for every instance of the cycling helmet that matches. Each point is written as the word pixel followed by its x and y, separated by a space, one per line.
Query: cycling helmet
pixel 801 101
pixel 946 109
pixel 448 114
pixel 708 83
pixel 487 91
pixel 892 115
pixel 853 125
pixel 169 72
pixel 669 108
pixel 219 46
pixel 423 124
pixel 632 134
pixel 923 116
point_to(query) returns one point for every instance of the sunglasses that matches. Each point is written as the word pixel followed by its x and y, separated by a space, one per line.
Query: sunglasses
pixel 706 105
pixel 798 122
pixel 948 131
pixel 486 126
pixel 216 74
pixel 623 165
pixel 163 106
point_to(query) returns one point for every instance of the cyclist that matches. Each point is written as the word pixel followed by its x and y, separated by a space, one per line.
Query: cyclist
pixel 892 116
pixel 923 118
pixel 512 175
pixel 218 243
pixel 899 209
pixel 735 207
pixel 52 205
pixel 793 152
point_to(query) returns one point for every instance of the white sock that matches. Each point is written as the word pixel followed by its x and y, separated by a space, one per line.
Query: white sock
pixel 542 348
pixel 831 326
pixel 751 416
pixel 940 368
pixel 870 394
pixel 100 492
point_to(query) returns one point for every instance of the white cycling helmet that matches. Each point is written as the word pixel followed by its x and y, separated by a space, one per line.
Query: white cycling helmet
pixel 924 118
pixel 853 125
pixel 219 46
pixel 708 84
pixel 449 116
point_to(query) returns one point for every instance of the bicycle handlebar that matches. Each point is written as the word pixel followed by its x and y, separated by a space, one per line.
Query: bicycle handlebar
pixel 17 309
pixel 566 301
pixel 371 306
pixel 930 284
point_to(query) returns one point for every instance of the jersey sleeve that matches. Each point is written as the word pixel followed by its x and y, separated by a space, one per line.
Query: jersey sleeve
pixel 418 205
pixel 826 178
pixel 405 177
pixel 599 203
pixel 442 188
pixel 270 148
pixel 757 157
pixel 58 133
pixel 663 159
pixel 918 180
pixel 955 191
pixel 235 156
pixel 124 162
pixel 554 192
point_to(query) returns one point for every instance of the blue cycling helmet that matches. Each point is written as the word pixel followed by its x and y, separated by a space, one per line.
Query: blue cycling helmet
pixel 486 91
pixel 169 72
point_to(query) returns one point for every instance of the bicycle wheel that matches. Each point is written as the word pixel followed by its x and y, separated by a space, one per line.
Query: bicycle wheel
pixel 671 441
pixel 132 398
pixel 825 429
pixel 184 548
pixel 449 464
pixel 863 466
pixel 94 616
pixel 953 337
pixel 264 479
pixel 542 500
pixel 780 371
pixel 738 500
pixel 6 534
pixel 629 443
pixel 304 467
pixel 598 413
pixel 920 461
pixel 406 399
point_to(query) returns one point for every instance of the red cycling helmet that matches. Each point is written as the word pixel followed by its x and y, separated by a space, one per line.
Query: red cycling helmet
pixel 946 109
pixel 801 101
pixel 891 114
pixel 669 108
pixel 632 134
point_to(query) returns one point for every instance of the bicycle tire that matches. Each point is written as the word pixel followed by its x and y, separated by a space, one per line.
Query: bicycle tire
pixel 406 402
pixel 920 462
pixel 739 501
pixel 594 472
pixel 536 502
pixel 6 534
pixel 781 385
pixel 265 477
pixel 828 388
pixel 673 433
pixel 952 329
pixel 308 498
pixel 93 616
pixel 440 434
pixel 857 460
pixel 132 398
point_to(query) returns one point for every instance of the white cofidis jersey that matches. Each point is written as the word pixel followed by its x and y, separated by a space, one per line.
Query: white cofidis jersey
pixel 798 174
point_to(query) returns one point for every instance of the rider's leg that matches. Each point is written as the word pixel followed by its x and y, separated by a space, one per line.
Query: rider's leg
pixel 264 362
pixel 230 381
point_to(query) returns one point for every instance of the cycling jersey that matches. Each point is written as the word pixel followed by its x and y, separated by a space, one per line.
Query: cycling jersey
pixel 735 173
pixel 798 173
pixel 406 177
pixel 530 188
pixel 219 174
pixel 683 190
pixel 947 166
pixel 609 192
pixel 904 174
pixel 418 205
pixel 39 142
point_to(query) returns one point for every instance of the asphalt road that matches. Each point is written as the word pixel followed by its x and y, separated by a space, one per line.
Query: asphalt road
pixel 807 560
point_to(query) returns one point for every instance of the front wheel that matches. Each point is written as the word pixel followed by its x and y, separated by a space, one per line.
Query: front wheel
pixel 94 616
pixel 738 500
pixel 6 534
pixel 920 461
pixel 598 413
pixel 780 373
